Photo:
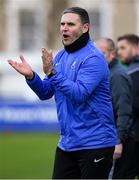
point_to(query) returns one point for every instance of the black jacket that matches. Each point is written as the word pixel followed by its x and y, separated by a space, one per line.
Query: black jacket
pixel 121 92
pixel 133 71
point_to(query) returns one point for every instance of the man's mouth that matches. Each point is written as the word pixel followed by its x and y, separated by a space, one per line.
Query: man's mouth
pixel 65 36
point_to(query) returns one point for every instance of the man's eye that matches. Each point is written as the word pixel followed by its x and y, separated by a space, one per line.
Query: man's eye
pixel 71 24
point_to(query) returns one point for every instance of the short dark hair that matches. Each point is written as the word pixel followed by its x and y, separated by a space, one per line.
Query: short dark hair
pixel 80 11
pixel 131 38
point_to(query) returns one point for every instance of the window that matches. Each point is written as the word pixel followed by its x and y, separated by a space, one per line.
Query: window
pixel 94 24
pixel 27 30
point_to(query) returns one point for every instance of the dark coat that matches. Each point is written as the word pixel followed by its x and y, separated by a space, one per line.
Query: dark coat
pixel 133 71
pixel 121 92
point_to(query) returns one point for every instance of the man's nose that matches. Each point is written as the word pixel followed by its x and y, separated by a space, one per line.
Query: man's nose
pixel 65 27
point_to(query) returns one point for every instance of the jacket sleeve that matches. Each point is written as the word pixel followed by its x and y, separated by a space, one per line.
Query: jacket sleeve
pixel 89 75
pixel 121 91
pixel 42 88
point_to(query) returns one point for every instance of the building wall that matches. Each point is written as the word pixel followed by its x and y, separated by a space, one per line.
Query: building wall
pixel 2 26
pixel 25 24
pixel 137 13
pixel 108 18
pixel 53 26
pixel 117 17
pixel 35 23
pixel 125 17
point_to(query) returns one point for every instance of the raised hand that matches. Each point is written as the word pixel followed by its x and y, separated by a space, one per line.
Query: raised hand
pixel 47 58
pixel 22 67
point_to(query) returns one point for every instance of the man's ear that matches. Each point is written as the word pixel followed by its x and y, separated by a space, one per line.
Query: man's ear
pixel 85 27
pixel 134 50
pixel 113 54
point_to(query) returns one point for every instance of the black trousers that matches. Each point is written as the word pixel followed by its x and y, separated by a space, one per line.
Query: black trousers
pixel 137 158
pixel 135 162
pixel 124 166
pixel 83 164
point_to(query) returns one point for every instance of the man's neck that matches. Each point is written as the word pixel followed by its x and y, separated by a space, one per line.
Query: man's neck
pixel 78 44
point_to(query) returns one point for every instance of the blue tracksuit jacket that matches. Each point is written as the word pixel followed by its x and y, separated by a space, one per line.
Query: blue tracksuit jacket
pixel 81 89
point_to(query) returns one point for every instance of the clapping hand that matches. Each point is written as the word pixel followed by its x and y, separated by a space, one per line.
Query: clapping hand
pixel 22 67
pixel 47 58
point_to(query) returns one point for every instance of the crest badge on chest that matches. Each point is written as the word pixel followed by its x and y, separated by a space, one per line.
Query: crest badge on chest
pixel 73 65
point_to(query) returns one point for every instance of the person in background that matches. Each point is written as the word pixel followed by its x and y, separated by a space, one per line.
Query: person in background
pixel 128 52
pixel 121 92
pixel 78 78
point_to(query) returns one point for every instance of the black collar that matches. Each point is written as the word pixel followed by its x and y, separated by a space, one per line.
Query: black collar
pixel 78 44
pixel 113 62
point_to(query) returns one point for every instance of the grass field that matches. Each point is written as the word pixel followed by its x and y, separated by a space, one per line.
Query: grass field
pixel 27 156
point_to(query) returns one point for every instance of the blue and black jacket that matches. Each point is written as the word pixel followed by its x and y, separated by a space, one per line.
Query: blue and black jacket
pixel 81 90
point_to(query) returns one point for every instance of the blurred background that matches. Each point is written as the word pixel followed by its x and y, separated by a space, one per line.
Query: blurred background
pixel 28 126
